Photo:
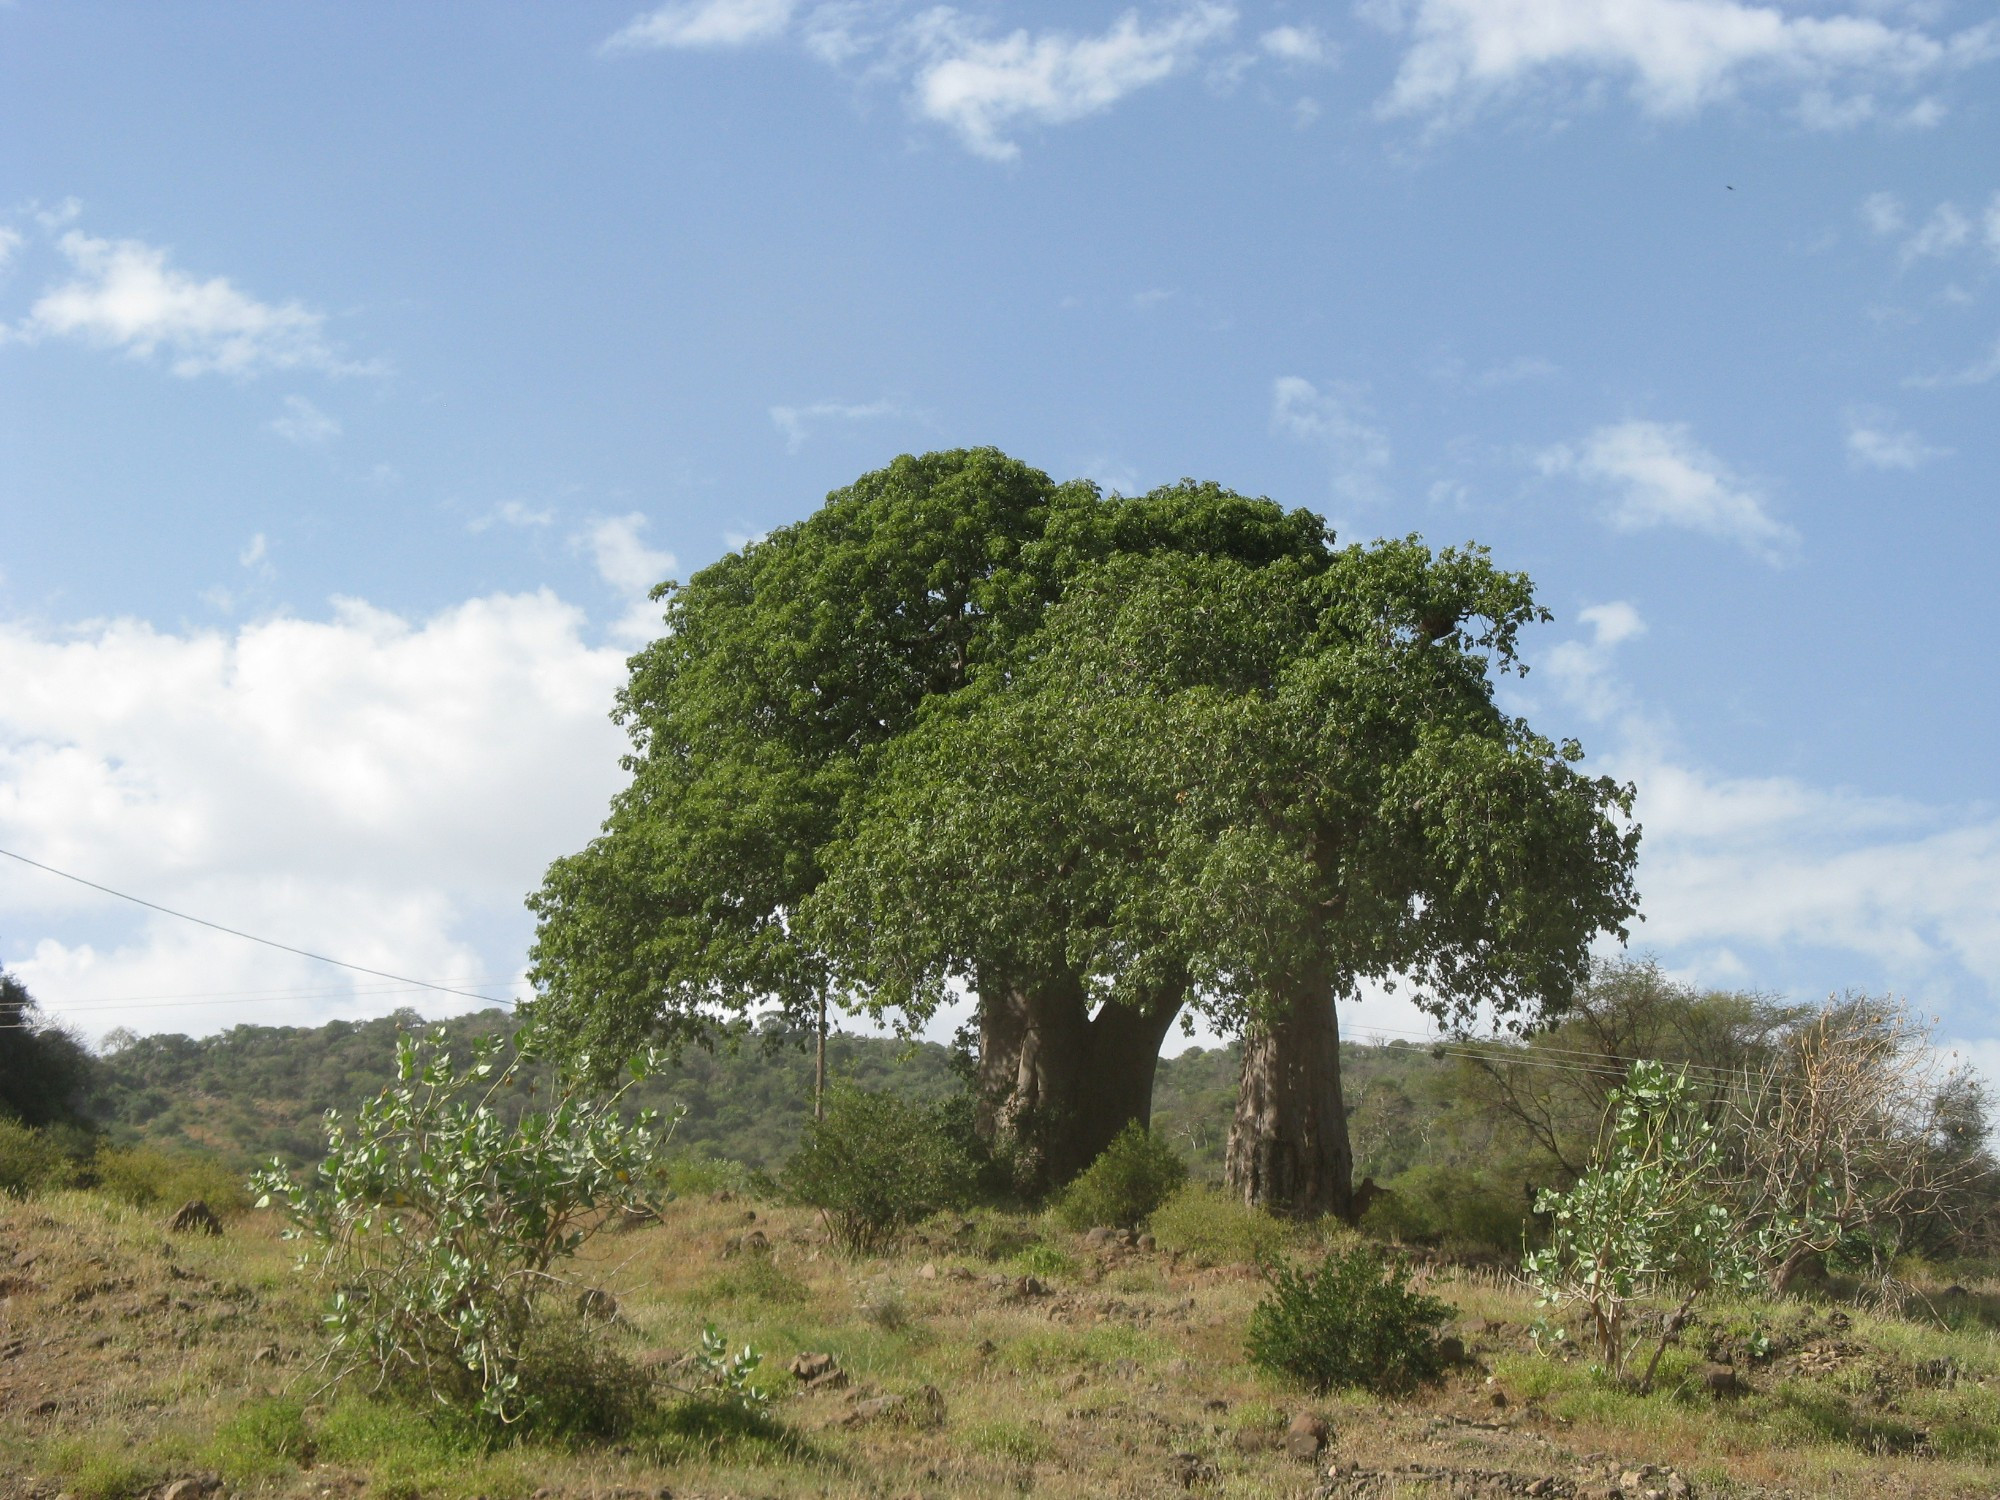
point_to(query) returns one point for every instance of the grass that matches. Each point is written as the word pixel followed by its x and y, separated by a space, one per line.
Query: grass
pixel 140 1358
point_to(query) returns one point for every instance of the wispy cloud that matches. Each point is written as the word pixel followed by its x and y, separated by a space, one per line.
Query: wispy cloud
pixel 1338 419
pixel 1297 44
pixel 705 23
pixel 10 244
pixel 631 569
pixel 512 513
pixel 1660 476
pixel 1979 372
pixel 1874 441
pixel 982 87
pixel 1678 55
pixel 304 424
pixel 797 422
pixel 125 295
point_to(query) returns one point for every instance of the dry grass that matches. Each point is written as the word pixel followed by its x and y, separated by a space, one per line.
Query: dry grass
pixel 132 1359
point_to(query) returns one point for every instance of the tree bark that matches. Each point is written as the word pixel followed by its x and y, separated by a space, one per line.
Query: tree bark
pixel 1288 1145
pixel 1056 1084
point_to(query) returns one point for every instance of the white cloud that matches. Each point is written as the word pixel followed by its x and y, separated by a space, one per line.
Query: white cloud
pixel 797 422
pixel 1664 478
pixel 255 551
pixel 1977 373
pixel 1773 864
pixel 10 243
pixel 511 513
pixel 1945 232
pixel 983 87
pixel 1883 214
pixel 1297 44
pixel 1875 442
pixel 1582 670
pixel 1337 419
pixel 380 789
pixel 631 568
pixel 1992 224
pixel 304 424
pixel 124 295
pixel 706 23
pixel 1679 55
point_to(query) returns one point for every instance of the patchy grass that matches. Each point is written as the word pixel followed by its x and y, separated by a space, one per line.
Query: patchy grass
pixel 132 1358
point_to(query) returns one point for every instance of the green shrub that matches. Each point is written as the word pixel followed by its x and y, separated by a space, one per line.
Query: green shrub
pixel 1045 1260
pixel 876 1164
pixel 1433 1205
pixel 1135 1174
pixel 440 1226
pixel 32 1161
pixel 147 1177
pixel 1213 1227
pixel 581 1386
pixel 1351 1321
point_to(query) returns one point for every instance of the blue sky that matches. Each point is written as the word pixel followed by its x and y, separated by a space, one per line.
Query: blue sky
pixel 361 365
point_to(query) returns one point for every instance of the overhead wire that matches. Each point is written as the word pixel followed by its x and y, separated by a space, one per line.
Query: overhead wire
pixel 237 932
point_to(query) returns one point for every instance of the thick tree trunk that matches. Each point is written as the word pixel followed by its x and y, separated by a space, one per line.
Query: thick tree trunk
pixel 1288 1146
pixel 1055 1083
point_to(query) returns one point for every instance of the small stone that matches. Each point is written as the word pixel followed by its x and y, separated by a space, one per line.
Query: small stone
pixel 1306 1436
pixel 1100 1236
pixel 927 1271
pixel 874 1409
pixel 818 1372
pixel 1147 1244
pixel 194 1217
pixel 1031 1286
pixel 1721 1380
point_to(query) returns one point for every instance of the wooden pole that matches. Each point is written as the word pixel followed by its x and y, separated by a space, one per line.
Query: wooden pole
pixel 819 1065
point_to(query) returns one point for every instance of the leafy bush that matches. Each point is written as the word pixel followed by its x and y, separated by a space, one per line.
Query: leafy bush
pixel 32 1161
pixel 1644 1218
pixel 1135 1174
pixel 147 1177
pixel 1213 1227
pixel 439 1225
pixel 1046 1261
pixel 876 1164
pixel 1351 1321
pixel 1448 1205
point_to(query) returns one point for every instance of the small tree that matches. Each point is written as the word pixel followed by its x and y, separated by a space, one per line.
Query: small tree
pixel 440 1225
pixel 1856 1133
pixel 1646 1217
pixel 875 1164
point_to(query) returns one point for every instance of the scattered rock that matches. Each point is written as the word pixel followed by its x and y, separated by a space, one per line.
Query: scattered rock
pixel 819 1372
pixel 1031 1286
pixel 1147 1244
pixel 1306 1436
pixel 194 1217
pixel 1103 1234
pixel 1650 1482
pixel 191 1489
pixel 925 1408
pixel 1192 1470
pixel 927 1271
pixel 1451 1349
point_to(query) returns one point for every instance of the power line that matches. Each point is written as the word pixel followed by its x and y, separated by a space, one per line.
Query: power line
pixel 338 963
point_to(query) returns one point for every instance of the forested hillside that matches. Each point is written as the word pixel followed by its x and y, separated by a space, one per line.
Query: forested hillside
pixel 256 1091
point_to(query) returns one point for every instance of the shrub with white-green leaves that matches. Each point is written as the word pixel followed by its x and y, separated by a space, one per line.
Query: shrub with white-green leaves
pixel 1650 1217
pixel 441 1222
